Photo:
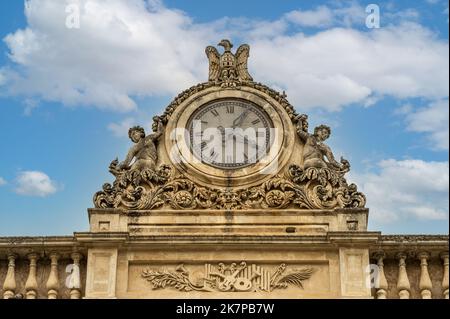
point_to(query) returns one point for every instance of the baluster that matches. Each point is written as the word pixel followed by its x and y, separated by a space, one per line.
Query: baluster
pixel 75 280
pixel 382 282
pixel 425 284
pixel 53 281
pixel 9 286
pixel 31 285
pixel 444 257
pixel 403 285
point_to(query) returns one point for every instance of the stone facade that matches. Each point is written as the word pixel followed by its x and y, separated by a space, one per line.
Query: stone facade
pixel 175 225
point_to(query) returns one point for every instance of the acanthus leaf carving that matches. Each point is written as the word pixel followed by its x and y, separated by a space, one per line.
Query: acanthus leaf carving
pixel 313 188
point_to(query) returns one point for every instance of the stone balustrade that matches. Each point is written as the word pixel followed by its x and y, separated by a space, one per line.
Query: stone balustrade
pixel 42 267
pixel 415 267
pixel 411 266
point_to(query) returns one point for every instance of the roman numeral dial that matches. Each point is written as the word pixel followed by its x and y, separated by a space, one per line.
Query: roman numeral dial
pixel 230 134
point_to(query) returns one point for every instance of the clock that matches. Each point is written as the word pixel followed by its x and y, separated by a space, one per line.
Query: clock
pixel 228 137
pixel 230 134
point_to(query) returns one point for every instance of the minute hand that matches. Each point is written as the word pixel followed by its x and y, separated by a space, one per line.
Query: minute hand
pixel 240 119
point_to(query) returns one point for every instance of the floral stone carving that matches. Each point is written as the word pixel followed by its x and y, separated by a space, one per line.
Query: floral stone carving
pixel 319 185
pixel 313 188
pixel 228 278
pixel 141 184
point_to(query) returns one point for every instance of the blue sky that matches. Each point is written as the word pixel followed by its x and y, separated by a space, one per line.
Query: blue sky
pixel 67 96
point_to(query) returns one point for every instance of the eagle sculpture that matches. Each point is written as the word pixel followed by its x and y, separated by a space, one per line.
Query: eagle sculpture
pixel 228 69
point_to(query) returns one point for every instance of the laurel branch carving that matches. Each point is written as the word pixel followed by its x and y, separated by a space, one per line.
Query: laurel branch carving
pixel 232 278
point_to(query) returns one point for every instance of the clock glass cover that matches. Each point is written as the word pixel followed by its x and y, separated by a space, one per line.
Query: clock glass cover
pixel 230 134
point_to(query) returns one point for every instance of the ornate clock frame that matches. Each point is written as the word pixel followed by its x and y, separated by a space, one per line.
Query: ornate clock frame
pixel 182 158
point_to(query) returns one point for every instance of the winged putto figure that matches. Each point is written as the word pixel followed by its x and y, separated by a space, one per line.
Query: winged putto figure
pixel 228 69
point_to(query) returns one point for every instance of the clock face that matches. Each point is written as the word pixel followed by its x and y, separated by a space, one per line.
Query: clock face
pixel 230 134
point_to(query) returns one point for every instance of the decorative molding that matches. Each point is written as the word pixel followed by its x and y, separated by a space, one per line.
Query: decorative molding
pixel 186 94
pixel 229 278
pixel 413 238
pixel 313 188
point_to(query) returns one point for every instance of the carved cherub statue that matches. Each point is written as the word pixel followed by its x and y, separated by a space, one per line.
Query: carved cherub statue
pixel 316 153
pixel 144 151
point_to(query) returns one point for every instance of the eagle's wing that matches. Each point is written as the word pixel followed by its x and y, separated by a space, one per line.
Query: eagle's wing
pixel 242 54
pixel 214 63
pixel 297 277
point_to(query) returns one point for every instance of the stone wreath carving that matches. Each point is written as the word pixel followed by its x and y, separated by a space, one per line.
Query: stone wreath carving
pixel 228 278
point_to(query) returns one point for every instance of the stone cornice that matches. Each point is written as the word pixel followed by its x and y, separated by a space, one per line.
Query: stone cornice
pixel 376 242
pixel 414 238
pixel 411 245
pixel 36 240
pixel 43 246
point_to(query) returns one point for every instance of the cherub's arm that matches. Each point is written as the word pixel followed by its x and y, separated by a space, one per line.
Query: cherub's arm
pixel 302 127
pixel 155 136
pixel 329 154
pixel 302 134
pixel 131 153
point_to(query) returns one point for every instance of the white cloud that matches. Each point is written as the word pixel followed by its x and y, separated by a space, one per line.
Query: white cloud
pixel 30 105
pixel 2 77
pixel 319 17
pixel 337 67
pixel 406 189
pixel 341 14
pixel 408 14
pixel 121 49
pixel 134 48
pixel 35 183
pixel 433 120
pixel 2 181
pixel 404 109
pixel 121 129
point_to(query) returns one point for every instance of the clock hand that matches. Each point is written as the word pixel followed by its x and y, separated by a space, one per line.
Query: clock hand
pixel 240 119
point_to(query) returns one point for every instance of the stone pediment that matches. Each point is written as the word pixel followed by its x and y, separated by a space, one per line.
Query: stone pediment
pixel 295 170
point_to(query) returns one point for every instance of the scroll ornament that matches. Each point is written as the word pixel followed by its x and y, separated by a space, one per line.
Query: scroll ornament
pixel 313 188
pixel 319 185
